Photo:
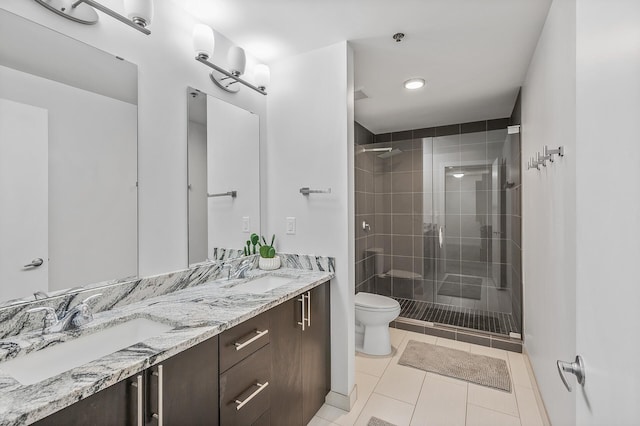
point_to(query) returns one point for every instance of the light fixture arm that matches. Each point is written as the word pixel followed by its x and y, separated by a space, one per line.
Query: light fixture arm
pixel 204 60
pixel 113 14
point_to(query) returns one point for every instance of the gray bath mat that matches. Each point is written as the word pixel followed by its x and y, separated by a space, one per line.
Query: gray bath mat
pixel 374 421
pixel 478 369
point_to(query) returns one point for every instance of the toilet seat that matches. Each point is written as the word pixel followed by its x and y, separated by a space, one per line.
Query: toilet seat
pixel 375 302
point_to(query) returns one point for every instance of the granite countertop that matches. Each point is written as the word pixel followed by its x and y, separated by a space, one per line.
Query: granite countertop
pixel 196 314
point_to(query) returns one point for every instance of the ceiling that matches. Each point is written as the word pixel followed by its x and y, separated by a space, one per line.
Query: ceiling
pixel 473 53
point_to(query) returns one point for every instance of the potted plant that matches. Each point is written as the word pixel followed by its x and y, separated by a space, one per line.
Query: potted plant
pixel 268 259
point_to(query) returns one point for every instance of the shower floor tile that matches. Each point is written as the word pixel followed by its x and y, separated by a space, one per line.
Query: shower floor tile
pixel 476 319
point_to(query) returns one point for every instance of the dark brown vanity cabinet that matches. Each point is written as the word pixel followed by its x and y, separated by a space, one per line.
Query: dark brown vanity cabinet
pixel 301 369
pixel 181 390
pixel 245 372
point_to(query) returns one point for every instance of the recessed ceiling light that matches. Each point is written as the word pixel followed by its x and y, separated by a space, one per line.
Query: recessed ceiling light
pixel 414 83
pixel 458 175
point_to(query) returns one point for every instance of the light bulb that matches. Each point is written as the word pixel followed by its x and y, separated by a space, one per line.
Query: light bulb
pixel 139 11
pixel 203 41
pixel 262 76
pixel 237 60
pixel 414 83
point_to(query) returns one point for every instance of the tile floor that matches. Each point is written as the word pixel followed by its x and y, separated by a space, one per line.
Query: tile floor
pixel 407 396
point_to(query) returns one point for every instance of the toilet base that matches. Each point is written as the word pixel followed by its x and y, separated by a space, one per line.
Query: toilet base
pixel 375 340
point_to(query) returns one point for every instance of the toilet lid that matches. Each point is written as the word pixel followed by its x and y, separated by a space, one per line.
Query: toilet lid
pixel 369 300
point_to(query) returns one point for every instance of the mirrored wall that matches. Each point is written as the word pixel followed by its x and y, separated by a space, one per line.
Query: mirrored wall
pixel 444 227
pixel 68 163
pixel 223 174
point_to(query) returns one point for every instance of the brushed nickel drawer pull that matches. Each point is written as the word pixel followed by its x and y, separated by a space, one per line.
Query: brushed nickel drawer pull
pixel 242 345
pixel 138 385
pixel 301 300
pixel 253 395
pixel 159 374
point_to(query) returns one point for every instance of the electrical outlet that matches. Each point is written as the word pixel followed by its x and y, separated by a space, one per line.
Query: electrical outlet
pixel 291 225
pixel 246 224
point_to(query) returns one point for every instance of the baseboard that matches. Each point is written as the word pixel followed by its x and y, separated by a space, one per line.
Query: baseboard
pixel 536 389
pixel 341 401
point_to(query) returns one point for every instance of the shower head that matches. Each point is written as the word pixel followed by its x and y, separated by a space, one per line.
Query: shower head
pixel 390 153
pixel 388 149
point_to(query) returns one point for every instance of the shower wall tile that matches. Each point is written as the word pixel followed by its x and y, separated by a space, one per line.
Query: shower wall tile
pixel 402 224
pixel 383 285
pixel 402 182
pixel 382 183
pixel 476 269
pixel 417 182
pixel 427 132
pixel 402 162
pixel 402 245
pixel 474 127
pixel 403 135
pixel 402 263
pixel 383 137
pixel 401 287
pixel 417 159
pixel 453 129
pixel 418 248
pixel 421 203
pixel 497 124
pixel 401 203
pixel 383 224
pixel 383 203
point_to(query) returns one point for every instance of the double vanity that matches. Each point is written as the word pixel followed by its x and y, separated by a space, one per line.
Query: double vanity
pixel 223 351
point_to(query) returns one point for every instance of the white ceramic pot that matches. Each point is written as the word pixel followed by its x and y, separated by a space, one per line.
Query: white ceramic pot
pixel 269 264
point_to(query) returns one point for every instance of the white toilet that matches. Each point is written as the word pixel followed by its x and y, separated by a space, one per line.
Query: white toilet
pixel 373 315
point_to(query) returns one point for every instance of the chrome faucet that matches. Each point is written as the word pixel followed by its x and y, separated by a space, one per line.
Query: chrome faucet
pixel 75 317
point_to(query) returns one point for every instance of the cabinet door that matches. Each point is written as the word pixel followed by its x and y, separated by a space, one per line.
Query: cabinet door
pixel 316 359
pixel 115 405
pixel 286 343
pixel 189 389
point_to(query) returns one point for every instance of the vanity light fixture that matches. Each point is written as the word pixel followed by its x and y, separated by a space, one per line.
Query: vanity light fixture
pixel 458 175
pixel 414 83
pixel 203 43
pixel 138 12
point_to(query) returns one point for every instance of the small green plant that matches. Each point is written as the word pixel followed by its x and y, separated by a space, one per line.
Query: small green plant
pixel 268 251
pixel 253 240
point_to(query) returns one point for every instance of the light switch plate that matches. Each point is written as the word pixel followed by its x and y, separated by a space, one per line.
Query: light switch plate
pixel 246 224
pixel 291 226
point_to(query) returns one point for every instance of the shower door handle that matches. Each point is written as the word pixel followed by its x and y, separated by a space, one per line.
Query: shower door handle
pixel 576 368
pixel 441 236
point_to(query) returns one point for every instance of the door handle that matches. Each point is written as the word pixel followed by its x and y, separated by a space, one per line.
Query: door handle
pixel 140 400
pixel 35 263
pixel 158 416
pixel 441 236
pixel 308 309
pixel 576 368
pixel 301 300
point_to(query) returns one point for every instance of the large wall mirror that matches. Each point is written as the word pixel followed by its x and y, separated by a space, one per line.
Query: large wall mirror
pixel 224 175
pixel 68 163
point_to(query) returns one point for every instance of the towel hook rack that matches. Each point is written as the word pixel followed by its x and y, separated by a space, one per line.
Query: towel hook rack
pixel 306 191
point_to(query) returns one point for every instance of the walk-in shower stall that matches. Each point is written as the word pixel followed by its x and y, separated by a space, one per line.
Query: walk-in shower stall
pixel 438 224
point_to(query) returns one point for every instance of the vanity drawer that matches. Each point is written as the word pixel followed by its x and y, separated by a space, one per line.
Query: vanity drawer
pixel 244 389
pixel 242 340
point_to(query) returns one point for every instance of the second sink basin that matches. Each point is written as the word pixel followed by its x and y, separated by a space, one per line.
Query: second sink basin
pixel 49 362
pixel 263 284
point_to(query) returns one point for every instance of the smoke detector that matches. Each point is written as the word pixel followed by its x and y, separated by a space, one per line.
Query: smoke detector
pixel 398 37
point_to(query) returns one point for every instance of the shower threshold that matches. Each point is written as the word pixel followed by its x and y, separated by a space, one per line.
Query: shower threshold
pixel 497 323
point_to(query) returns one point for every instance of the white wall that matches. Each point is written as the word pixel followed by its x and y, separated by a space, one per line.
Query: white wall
pixel 310 144
pixel 549 209
pixel 608 210
pixel 91 181
pixel 166 67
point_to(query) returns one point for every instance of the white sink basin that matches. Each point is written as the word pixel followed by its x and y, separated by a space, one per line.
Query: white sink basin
pixel 49 362
pixel 262 284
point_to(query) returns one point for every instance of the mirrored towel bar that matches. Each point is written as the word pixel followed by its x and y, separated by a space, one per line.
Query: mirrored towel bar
pixel 232 194
pixel 307 191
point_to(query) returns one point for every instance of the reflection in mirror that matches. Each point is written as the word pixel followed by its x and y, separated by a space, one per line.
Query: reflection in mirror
pixel 68 163
pixel 224 169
